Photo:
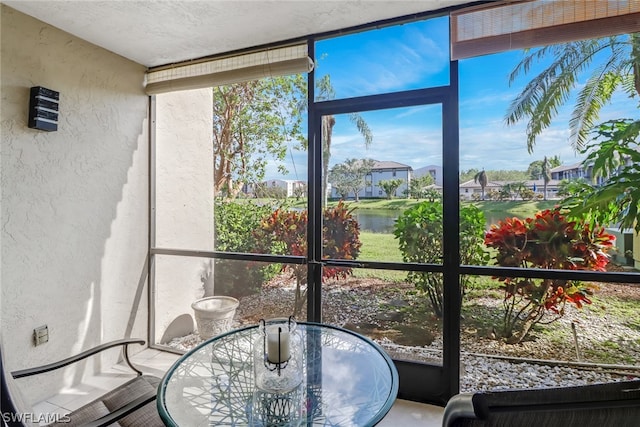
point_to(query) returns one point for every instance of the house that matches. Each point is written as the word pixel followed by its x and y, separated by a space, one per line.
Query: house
pixel 289 186
pixel 578 171
pixel 107 222
pixel 382 171
pixel 472 190
pixel 434 170
pixel 570 172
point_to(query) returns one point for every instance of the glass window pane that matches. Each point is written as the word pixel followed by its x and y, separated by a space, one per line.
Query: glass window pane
pixel 232 294
pixel 227 158
pixel 504 173
pixel 184 170
pixel 385 177
pixel 382 305
pixel 561 348
pixel 390 59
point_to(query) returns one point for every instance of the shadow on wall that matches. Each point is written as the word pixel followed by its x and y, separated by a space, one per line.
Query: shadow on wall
pixel 74 201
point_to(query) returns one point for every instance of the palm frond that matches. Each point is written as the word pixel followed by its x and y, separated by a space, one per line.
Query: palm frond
pixel 595 94
pixel 363 128
pixel 542 97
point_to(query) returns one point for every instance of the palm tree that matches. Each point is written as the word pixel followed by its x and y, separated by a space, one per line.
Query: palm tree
pixel 481 178
pixel 326 92
pixel 541 98
pixel 546 175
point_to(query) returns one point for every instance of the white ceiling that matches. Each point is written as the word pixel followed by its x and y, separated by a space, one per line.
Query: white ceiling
pixel 158 32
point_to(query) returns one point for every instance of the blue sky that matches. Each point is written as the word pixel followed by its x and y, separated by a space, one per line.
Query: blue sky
pixel 414 56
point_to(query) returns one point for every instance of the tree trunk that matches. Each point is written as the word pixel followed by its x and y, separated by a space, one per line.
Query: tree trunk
pixel 328 122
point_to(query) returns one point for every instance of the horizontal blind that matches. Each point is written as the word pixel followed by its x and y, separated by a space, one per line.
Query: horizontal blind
pixel 233 69
pixel 500 26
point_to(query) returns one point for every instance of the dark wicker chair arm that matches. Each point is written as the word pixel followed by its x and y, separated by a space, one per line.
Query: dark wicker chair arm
pixel 459 406
pixel 62 363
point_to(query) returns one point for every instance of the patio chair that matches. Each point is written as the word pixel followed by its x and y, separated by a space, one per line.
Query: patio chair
pixel 130 404
pixel 598 405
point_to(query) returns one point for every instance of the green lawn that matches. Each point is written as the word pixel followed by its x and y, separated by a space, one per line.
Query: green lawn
pixel 380 247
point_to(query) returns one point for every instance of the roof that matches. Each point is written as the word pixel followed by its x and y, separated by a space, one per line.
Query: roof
pixel 566 168
pixel 387 164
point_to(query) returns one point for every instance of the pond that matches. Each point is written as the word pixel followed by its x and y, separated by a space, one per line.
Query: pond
pixel 376 220
pixel 383 220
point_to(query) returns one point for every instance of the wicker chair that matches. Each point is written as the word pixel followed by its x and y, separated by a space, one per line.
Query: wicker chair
pixel 131 404
pixel 598 405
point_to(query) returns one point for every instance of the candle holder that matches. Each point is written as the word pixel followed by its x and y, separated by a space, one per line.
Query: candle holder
pixel 278 409
pixel 277 359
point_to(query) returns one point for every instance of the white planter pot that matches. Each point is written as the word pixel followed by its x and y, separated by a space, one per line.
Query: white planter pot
pixel 214 315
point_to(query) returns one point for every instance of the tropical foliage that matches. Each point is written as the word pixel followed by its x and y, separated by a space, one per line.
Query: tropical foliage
pixel 541 98
pixel 234 226
pixel 252 123
pixel 535 168
pixel 547 241
pixel 390 186
pixel 419 232
pixel 324 92
pixel 481 178
pixel 614 154
pixel 349 176
pixel 285 232
pixel 419 187
pixel 496 175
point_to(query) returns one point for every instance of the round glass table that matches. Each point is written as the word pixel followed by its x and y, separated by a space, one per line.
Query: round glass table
pixel 347 380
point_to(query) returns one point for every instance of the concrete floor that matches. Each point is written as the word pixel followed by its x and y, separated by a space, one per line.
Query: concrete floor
pixel 155 362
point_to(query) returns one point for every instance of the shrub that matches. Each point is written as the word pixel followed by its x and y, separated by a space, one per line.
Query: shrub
pixel 234 227
pixel 419 231
pixel 547 241
pixel 284 232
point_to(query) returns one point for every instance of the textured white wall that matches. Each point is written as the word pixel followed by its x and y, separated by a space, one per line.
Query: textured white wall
pixel 184 199
pixel 74 209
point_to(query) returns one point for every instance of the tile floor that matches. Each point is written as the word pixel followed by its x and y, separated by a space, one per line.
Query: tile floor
pixel 155 362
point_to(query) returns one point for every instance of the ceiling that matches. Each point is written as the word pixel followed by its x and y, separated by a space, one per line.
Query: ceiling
pixel 159 32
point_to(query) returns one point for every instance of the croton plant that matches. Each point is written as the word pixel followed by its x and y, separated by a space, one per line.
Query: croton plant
pixel 547 241
pixel 285 232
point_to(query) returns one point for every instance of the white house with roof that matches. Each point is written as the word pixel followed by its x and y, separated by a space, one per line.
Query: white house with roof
pixel 383 171
pixel 578 171
pixel 571 172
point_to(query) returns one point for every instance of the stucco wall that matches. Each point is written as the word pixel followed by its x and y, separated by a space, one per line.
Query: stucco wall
pixel 184 200
pixel 74 202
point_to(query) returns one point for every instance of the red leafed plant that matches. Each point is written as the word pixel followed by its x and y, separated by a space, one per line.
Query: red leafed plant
pixel 547 241
pixel 285 232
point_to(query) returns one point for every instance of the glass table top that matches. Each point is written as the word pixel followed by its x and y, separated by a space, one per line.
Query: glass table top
pixel 348 380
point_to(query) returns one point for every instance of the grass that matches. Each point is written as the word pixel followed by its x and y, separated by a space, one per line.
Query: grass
pixel 380 247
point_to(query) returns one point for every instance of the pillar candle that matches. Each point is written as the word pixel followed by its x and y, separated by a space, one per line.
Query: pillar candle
pixel 272 345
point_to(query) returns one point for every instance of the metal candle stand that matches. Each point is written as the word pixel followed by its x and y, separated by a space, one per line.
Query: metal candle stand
pixel 278 356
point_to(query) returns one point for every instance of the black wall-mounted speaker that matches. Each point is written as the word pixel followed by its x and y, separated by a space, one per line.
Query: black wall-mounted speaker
pixel 43 109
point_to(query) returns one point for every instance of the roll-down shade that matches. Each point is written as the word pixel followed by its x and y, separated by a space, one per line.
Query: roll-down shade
pixel 233 69
pixel 500 26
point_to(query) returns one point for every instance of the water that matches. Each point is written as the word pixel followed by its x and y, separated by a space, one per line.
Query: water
pixel 383 221
pixel 376 220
